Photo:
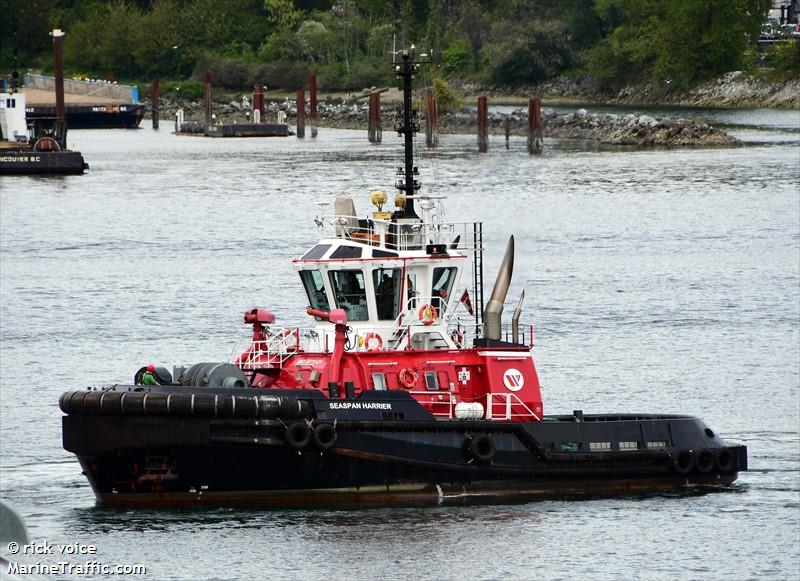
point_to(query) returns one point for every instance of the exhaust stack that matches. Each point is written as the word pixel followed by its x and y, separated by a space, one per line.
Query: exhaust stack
pixel 493 312
pixel 515 319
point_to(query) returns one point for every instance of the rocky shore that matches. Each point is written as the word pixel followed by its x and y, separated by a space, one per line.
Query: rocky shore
pixel 612 129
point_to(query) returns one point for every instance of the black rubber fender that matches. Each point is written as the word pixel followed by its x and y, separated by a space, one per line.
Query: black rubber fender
pixel 482 448
pixel 71 402
pixel 683 462
pixel 725 460
pixel 133 402
pixel 705 461
pixel 91 403
pixel 298 435
pixel 110 402
pixel 325 436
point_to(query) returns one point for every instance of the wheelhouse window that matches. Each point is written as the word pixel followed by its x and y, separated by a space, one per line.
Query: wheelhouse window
pixel 317 252
pixel 315 289
pixel 443 279
pixel 387 292
pixel 350 293
pixel 346 252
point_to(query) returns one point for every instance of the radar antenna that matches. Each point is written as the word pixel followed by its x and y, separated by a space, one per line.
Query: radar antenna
pixel 408 124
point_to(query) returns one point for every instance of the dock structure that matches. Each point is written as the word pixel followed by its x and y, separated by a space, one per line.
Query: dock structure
pixel 211 128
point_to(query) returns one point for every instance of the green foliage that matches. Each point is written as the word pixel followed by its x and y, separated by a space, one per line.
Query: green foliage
pixel 457 57
pixel 525 57
pixel 347 42
pixel 447 98
pixel 681 42
pixel 785 58
pixel 183 90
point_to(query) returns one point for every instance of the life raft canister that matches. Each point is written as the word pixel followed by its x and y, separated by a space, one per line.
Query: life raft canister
pixel 373 342
pixel 407 377
pixel 427 314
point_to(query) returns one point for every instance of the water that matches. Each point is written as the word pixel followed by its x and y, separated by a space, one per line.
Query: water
pixel 657 280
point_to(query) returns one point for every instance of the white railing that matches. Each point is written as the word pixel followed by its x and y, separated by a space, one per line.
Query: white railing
pixel 399 236
pixel 280 344
pixel 507 410
pixel 440 404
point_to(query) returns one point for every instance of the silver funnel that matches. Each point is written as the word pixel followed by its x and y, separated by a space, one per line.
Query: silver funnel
pixel 515 319
pixel 493 312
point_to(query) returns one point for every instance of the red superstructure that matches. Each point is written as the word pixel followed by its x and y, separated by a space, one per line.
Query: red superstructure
pixel 382 294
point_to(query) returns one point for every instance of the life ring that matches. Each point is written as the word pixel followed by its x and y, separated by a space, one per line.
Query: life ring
pixel 724 460
pixel 427 314
pixel 378 342
pixel 705 461
pixel 298 435
pixel 482 448
pixel 407 377
pixel 683 462
pixel 324 436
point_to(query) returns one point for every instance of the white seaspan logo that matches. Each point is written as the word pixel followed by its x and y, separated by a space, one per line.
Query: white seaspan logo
pixel 513 379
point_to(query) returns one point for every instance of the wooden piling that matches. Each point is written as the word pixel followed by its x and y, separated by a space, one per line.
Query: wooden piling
pixel 507 126
pixel 312 89
pixel 378 118
pixel 432 119
pixel 301 113
pixel 61 110
pixel 258 103
pixel 483 124
pixel 207 99
pixel 374 125
pixel 371 119
pixel 535 126
pixel 155 99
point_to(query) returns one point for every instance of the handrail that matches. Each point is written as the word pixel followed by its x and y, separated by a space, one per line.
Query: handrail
pixel 509 405
pixel 433 402
pixel 401 236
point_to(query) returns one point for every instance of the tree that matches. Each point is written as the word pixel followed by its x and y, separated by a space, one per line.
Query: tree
pixel 681 42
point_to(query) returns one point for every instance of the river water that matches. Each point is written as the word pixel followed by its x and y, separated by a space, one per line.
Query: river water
pixel 657 281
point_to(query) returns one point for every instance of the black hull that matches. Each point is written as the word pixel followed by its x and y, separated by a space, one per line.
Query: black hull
pixel 41 163
pixel 157 459
pixel 89 116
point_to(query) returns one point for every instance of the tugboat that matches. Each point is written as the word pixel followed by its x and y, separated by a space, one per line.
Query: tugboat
pixel 25 151
pixel 386 396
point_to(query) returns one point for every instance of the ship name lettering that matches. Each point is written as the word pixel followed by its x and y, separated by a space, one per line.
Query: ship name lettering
pixel 358 405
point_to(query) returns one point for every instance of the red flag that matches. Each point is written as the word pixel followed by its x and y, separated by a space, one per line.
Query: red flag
pixel 465 299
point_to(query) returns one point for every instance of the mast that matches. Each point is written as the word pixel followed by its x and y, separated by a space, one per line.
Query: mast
pixel 408 125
